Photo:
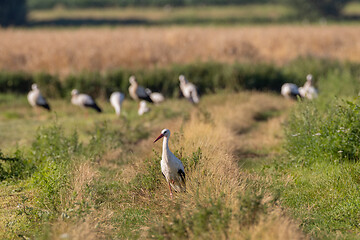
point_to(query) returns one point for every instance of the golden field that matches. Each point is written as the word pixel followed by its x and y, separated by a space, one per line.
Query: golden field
pixel 63 51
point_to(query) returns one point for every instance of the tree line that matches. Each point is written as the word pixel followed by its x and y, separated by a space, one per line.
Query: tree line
pixel 14 12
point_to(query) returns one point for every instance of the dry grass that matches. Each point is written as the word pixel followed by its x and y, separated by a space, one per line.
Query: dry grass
pixel 65 51
pixel 218 172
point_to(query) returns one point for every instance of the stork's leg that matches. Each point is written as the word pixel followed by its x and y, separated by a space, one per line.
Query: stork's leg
pixel 171 195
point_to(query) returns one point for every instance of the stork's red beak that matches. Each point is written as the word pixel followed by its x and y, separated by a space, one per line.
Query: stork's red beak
pixel 161 135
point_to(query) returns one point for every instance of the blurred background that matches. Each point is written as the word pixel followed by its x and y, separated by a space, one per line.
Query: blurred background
pixel 117 12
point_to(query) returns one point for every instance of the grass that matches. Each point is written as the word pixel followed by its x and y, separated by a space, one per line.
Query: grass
pixel 112 191
pixel 98 176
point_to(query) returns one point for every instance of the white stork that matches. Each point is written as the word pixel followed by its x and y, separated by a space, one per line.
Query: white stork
pixel 143 108
pixel 156 97
pixel 116 100
pixel 189 90
pixel 290 90
pixel 36 99
pixel 137 92
pixel 83 100
pixel 308 90
pixel 171 167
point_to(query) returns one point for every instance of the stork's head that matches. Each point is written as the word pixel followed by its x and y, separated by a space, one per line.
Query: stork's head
pixel 132 79
pixel 182 79
pixel 148 91
pixel 74 92
pixel 34 86
pixel 309 77
pixel 164 133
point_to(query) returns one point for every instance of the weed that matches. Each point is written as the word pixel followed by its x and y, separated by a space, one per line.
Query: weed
pixel 209 219
pixel 250 208
pixel 151 177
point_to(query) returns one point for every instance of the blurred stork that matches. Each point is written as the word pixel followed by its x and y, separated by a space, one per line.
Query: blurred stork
pixel 116 100
pixel 308 90
pixel 137 92
pixel 143 108
pixel 290 90
pixel 36 99
pixel 189 90
pixel 156 97
pixel 83 100
pixel 171 167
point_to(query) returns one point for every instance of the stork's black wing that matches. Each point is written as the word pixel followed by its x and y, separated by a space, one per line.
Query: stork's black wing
pixel 182 174
pixel 141 93
pixel 94 106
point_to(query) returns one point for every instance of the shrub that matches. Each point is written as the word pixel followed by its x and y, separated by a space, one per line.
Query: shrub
pixel 332 137
pixel 207 219
pixel 208 77
pixel 15 167
pixel 310 8
pixel 51 153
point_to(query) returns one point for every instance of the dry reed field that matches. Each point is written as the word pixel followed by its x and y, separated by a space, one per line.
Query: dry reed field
pixel 70 50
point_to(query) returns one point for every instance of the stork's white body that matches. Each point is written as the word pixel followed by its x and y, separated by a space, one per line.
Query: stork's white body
pixel 171 167
pixel 143 108
pixel 138 92
pixel 83 100
pixel 156 97
pixel 308 90
pixel 116 100
pixel 132 88
pixel 289 90
pixel 35 98
pixel 189 90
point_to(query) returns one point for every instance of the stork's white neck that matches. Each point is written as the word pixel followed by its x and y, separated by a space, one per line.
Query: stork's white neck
pixel 165 148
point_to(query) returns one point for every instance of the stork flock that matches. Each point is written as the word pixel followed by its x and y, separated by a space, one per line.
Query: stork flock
pixel 136 92
pixel 171 167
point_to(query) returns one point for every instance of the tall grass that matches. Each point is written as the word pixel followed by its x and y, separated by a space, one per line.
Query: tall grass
pixel 69 51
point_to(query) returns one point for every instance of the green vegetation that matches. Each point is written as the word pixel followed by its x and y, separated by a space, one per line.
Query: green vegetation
pixel 300 9
pixel 209 78
pixel 73 171
pixel 254 13
pixel 309 8
pixel 318 177
pixel 41 4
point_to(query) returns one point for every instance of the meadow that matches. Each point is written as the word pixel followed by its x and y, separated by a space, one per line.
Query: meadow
pixel 257 166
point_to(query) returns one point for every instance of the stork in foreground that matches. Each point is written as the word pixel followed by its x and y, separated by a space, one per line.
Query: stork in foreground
pixel 156 97
pixel 36 99
pixel 308 90
pixel 83 100
pixel 116 100
pixel 189 90
pixel 171 167
pixel 138 92
pixel 290 90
